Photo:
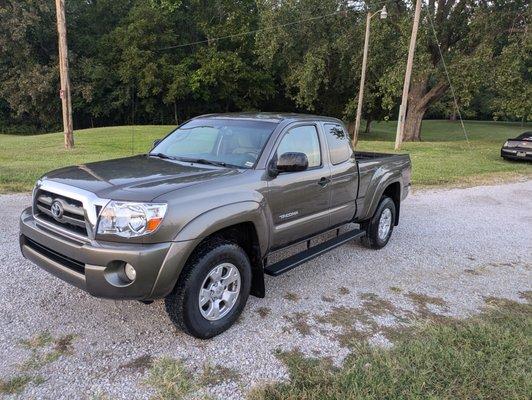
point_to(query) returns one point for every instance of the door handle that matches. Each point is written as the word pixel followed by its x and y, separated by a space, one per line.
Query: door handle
pixel 324 182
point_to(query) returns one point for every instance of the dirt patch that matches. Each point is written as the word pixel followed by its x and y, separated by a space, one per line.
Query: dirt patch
pixel 343 291
pixel 63 344
pixel 263 311
pixel 141 363
pixel 423 303
pixel 376 305
pixel 45 349
pixel 472 272
pixel 291 296
pixel 362 323
pixel 215 374
pixel 526 295
pixel 347 318
pixel 502 264
pixel 298 322
pixel 328 299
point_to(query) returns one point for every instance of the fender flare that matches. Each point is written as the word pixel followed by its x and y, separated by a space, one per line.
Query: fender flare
pixel 379 191
pixel 225 216
pixel 204 225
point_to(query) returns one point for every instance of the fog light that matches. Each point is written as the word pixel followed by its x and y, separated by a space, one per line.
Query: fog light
pixel 130 272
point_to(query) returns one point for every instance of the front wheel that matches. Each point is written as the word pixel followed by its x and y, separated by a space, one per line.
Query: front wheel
pixel 380 227
pixel 212 289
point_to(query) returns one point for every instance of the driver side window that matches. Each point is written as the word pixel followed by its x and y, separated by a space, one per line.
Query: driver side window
pixel 302 139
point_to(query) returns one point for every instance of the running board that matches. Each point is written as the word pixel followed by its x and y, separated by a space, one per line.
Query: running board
pixel 287 264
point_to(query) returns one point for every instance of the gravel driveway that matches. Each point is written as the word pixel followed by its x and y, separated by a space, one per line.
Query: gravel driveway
pixel 453 250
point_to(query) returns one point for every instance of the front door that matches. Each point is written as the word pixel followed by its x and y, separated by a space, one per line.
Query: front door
pixel 299 201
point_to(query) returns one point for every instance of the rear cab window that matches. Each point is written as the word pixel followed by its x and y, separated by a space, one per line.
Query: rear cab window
pixel 338 143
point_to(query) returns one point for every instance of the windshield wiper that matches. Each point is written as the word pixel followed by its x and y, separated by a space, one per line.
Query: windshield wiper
pixel 208 162
pixel 162 155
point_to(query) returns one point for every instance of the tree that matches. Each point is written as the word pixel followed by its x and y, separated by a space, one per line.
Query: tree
pixel 313 60
pixel 512 80
pixel 468 34
pixel 28 62
pixel 131 62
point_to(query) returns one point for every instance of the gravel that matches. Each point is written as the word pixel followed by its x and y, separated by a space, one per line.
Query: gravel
pixel 453 250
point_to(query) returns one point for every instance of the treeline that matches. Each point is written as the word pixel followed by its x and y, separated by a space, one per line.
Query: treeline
pixel 162 61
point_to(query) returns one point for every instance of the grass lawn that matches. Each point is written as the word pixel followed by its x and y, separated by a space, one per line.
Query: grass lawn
pixel 484 357
pixel 443 158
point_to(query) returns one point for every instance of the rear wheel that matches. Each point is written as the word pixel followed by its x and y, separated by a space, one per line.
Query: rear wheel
pixel 212 289
pixel 380 227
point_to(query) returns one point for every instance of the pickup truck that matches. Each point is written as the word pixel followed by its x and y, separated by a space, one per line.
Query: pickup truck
pixel 195 220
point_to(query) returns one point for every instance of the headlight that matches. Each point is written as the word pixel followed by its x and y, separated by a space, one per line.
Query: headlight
pixel 127 219
pixel 510 144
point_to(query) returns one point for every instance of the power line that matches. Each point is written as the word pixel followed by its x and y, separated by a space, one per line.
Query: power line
pixel 448 78
pixel 250 32
pixel 268 28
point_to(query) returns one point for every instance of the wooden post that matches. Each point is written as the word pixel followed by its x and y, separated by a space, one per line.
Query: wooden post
pixel 362 82
pixel 66 101
pixel 408 74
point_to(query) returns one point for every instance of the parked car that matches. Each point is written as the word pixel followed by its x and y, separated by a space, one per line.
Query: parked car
pixel 519 148
pixel 196 219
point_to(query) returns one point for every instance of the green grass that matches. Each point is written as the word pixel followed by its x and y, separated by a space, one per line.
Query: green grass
pixel 443 158
pixel 14 385
pixel 484 357
pixel 24 158
pixel 44 349
pixel 169 379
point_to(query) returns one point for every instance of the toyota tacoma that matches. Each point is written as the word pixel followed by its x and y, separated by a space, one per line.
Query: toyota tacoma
pixel 195 220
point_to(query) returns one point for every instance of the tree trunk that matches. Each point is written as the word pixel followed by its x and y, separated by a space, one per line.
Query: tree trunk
pixel 351 131
pixel 419 100
pixel 414 118
pixel 453 115
pixel 368 125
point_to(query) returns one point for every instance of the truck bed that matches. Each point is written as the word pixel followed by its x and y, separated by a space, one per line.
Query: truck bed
pixel 372 169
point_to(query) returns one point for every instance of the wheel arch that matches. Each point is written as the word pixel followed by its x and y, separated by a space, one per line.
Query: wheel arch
pixel 393 191
pixel 243 223
pixel 391 188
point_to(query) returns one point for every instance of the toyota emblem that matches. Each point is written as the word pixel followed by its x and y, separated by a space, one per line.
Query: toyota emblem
pixel 57 209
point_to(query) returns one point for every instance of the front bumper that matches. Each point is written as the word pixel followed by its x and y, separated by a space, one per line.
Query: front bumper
pixel 516 154
pixel 94 266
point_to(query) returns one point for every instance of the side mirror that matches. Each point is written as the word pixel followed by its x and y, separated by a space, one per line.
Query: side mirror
pixel 289 162
pixel 156 142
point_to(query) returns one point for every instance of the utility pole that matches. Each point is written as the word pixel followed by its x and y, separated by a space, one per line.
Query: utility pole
pixel 63 72
pixel 362 82
pixel 383 13
pixel 408 75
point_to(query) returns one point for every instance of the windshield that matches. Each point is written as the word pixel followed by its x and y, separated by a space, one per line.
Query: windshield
pixel 224 142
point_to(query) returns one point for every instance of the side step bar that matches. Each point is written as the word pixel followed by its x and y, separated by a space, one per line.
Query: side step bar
pixel 287 264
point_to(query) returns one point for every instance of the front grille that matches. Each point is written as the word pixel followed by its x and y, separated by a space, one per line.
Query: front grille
pixel 68 262
pixel 73 217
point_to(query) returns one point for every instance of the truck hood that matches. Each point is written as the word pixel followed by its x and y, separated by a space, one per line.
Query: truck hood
pixel 138 178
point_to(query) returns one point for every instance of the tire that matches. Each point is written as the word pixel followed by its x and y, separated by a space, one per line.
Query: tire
pixel 373 239
pixel 183 303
